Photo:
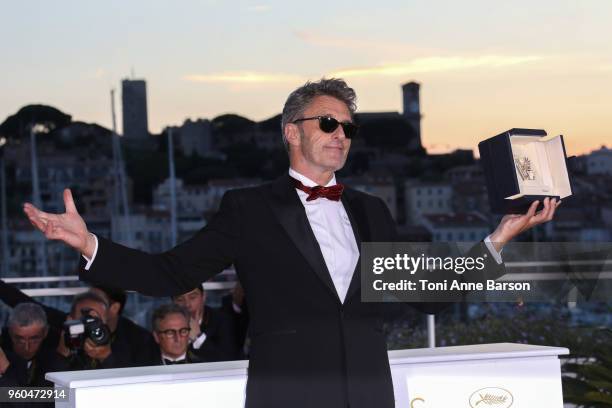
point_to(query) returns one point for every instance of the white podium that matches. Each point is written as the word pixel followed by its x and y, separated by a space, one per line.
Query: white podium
pixel 479 376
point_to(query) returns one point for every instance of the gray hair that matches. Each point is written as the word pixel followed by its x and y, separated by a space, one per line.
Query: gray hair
pixel 27 314
pixel 299 99
pixel 164 310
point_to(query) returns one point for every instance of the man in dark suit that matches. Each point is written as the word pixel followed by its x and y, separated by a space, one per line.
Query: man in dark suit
pixel 171 331
pixel 212 332
pixel 30 360
pixel 295 245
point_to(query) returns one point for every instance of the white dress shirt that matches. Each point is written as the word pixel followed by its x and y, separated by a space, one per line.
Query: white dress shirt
pixel 198 341
pixel 333 231
pixel 179 358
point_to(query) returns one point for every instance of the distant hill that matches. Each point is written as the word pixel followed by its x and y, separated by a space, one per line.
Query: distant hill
pixel 230 124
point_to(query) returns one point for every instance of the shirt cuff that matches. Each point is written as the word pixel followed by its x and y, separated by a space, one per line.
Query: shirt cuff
pixel 93 256
pixel 496 255
pixel 237 309
pixel 197 343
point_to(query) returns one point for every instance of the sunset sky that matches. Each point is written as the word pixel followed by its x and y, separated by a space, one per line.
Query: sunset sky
pixel 484 66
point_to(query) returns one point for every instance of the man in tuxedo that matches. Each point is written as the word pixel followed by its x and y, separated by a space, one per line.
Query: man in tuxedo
pixel 129 339
pixel 15 373
pixel 30 361
pixel 212 335
pixel 295 245
pixel 171 332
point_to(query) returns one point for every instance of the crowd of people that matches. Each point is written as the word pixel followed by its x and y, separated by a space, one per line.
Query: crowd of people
pixel 95 334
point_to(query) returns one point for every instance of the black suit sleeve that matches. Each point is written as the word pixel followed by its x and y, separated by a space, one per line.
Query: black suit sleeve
pixel 12 296
pixel 176 271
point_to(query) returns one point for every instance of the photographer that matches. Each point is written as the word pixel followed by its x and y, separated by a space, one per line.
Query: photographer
pixel 86 341
pixel 131 341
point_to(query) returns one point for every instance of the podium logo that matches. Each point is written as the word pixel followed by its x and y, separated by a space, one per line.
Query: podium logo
pixel 491 397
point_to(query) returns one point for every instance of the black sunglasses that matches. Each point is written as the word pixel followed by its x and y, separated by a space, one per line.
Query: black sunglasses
pixel 328 125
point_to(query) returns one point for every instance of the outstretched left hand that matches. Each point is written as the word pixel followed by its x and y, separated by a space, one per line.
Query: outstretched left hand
pixel 512 225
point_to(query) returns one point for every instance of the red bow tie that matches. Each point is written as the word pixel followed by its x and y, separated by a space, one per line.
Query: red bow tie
pixel 331 193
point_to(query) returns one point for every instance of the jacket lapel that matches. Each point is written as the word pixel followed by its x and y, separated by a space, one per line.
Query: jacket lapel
pixel 288 209
pixel 358 219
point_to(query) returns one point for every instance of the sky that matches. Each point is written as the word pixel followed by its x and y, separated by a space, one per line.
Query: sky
pixel 483 66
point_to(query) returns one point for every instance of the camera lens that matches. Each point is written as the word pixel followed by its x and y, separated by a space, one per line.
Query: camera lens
pixel 98 335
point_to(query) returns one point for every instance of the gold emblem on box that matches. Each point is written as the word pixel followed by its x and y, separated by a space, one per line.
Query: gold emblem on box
pixel 491 397
pixel 412 403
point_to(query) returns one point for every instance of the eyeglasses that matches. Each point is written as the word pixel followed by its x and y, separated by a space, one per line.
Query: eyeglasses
pixel 170 333
pixel 328 125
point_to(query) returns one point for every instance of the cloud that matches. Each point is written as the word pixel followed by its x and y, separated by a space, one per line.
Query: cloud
pixel 331 41
pixel 415 66
pixel 259 8
pixel 99 73
pixel 438 148
pixel 242 77
pixel 435 64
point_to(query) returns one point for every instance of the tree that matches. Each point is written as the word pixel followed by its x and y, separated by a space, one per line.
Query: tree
pixel 16 126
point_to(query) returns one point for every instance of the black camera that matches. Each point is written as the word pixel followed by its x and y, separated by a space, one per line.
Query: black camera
pixel 87 327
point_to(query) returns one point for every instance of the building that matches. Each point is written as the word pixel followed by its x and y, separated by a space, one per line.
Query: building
pixel 87 175
pixel 190 200
pixel 383 188
pixel 196 200
pixel 599 162
pixel 412 108
pixel 193 137
pixel 461 227
pixel 150 229
pixel 26 246
pixel 470 197
pixel 466 173
pixel 423 198
pixel 134 104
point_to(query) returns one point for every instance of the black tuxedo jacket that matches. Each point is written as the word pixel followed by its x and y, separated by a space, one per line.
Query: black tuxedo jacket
pixel 220 343
pixel 308 349
pixel 19 375
pixel 240 322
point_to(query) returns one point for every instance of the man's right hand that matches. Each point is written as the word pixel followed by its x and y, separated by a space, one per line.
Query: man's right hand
pixel 68 227
pixel 194 325
pixel 95 352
